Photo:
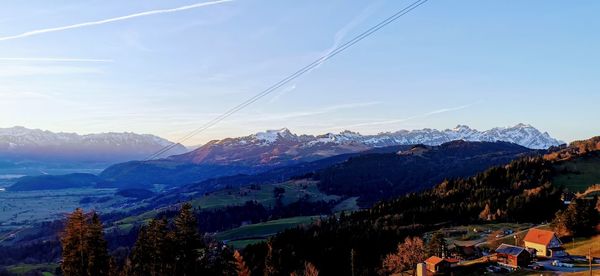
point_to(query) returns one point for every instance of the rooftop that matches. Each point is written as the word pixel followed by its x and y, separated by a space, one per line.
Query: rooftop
pixel 539 236
pixel 510 249
pixel 434 260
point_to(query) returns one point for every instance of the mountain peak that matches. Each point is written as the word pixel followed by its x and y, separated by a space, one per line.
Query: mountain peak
pixel 273 135
pixel 522 125
pixel 462 128
pixel 280 146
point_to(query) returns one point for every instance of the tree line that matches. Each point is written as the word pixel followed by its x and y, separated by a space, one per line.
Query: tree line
pixel 162 248
pixel 361 242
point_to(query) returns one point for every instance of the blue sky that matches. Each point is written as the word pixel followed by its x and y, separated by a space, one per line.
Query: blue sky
pixel 480 63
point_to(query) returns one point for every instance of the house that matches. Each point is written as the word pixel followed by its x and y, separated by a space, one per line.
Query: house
pixel 436 264
pixel 545 243
pixel 421 270
pixel 512 256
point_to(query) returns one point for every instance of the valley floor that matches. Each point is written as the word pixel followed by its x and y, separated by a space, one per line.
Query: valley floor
pixel 25 208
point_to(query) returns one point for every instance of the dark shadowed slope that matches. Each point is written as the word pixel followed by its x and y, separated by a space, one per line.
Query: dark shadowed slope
pixel 373 177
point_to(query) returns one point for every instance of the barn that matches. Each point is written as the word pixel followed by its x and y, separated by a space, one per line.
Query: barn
pixel 512 256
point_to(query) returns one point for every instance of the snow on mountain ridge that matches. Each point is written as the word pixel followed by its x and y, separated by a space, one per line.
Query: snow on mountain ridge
pixel 521 134
pixel 43 137
pixel 20 143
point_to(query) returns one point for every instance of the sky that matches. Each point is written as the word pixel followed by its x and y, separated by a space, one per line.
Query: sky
pixel 168 67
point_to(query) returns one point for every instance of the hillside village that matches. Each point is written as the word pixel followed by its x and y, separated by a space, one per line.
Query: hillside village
pixel 539 250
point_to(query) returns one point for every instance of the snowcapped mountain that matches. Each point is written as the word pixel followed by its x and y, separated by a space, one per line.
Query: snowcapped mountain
pixel 19 144
pixel 271 148
pixel 282 147
pixel 521 134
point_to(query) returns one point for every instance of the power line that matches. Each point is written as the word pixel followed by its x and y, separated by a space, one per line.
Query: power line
pixel 292 77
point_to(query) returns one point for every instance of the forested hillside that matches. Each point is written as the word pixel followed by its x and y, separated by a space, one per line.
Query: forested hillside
pixel 505 193
pixel 521 191
pixel 374 177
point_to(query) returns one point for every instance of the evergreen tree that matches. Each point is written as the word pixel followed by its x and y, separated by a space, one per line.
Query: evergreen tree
pixel 240 264
pixel 270 267
pixel 217 259
pixel 138 262
pixel 160 248
pixel 153 251
pixel 437 246
pixel 113 268
pixel 187 242
pixel 310 269
pixel 578 219
pixel 353 262
pixel 74 255
pixel 98 258
pixel 84 250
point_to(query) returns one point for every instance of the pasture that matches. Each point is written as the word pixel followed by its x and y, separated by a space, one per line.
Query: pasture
pixel 253 233
pixel 579 174
pixel 24 208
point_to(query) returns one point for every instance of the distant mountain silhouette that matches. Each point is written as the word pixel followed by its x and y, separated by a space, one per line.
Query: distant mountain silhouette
pixel 21 146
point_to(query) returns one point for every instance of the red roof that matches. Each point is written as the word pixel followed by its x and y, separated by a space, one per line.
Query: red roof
pixel 539 236
pixel 433 260
pixel 452 260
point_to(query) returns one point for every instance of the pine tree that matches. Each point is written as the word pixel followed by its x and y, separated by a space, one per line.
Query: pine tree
pixel 187 242
pixel 84 250
pixel 152 253
pixel 270 268
pixel 113 268
pixel 353 262
pixel 128 268
pixel 73 242
pixel 310 269
pixel 98 258
pixel 437 246
pixel 240 264
pixel 160 248
pixel 140 257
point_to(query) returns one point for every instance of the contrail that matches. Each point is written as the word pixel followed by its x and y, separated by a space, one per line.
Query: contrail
pixel 110 20
pixel 341 33
pixel 52 59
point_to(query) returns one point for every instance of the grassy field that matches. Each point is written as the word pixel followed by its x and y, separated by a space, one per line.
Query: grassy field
pixel 586 172
pixel 349 204
pixel 294 190
pixel 253 233
pixel 582 245
pixel 241 244
pixel 18 209
pixel 47 269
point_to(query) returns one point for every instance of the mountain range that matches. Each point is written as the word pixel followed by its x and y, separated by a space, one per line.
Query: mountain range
pixel 265 151
pixel 23 146
pixel 282 147
pixel 375 174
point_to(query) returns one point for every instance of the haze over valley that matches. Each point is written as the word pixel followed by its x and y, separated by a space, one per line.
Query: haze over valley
pixel 299 138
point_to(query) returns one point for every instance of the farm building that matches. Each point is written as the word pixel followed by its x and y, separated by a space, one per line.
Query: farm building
pixel 436 264
pixel 512 256
pixel 544 243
